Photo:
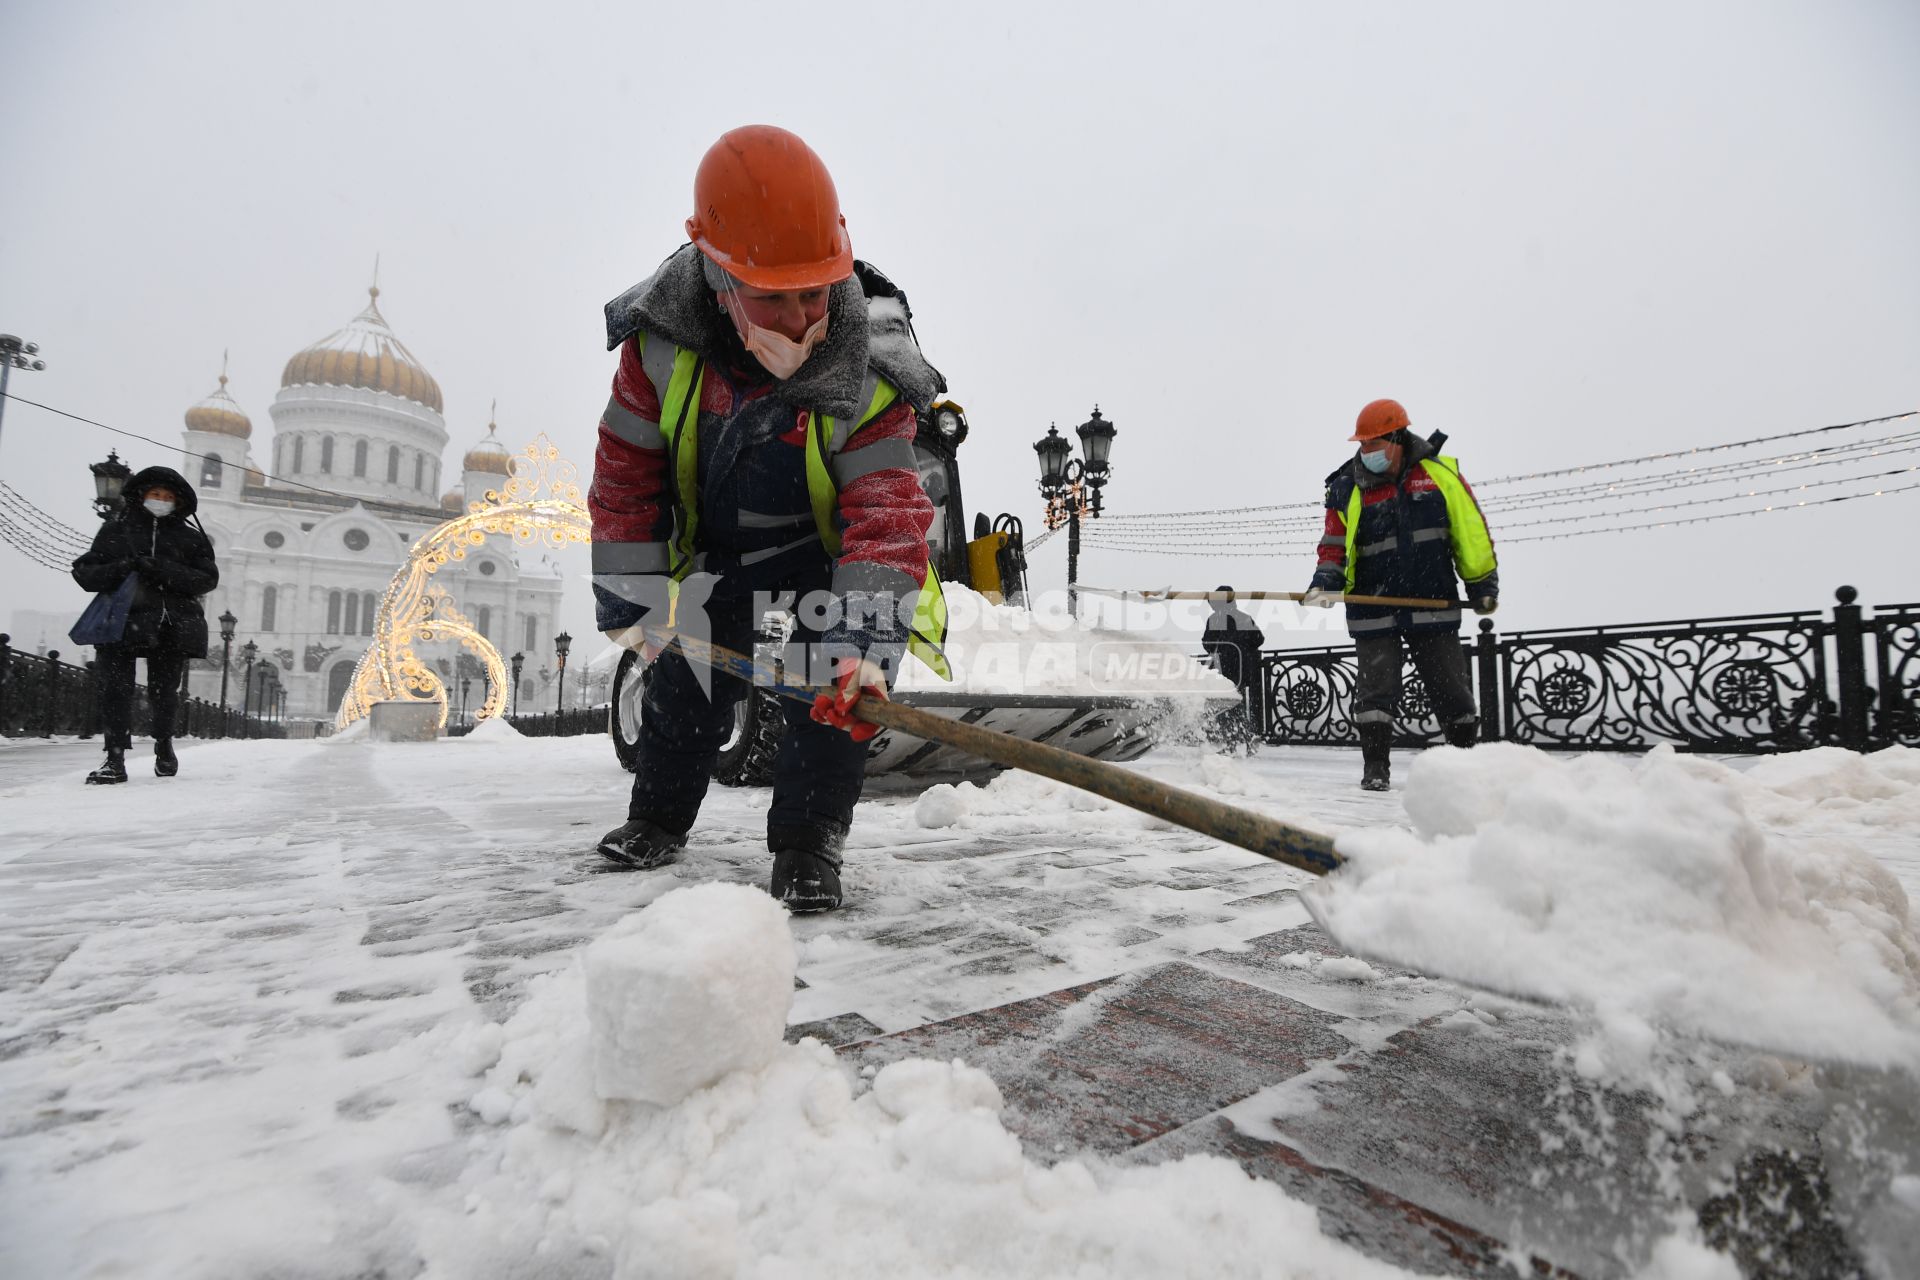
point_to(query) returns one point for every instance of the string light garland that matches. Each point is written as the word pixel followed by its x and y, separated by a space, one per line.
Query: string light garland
pixel 540 502
pixel 1279 548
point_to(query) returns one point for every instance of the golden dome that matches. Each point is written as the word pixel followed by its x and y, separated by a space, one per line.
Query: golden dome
pixel 489 455
pixel 454 502
pixel 364 354
pixel 219 414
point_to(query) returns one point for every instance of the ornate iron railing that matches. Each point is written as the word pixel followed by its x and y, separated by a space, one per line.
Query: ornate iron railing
pixel 43 696
pixel 1896 634
pixel 1758 683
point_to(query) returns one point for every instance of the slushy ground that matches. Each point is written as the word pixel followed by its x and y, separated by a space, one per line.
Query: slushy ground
pixel 306 1010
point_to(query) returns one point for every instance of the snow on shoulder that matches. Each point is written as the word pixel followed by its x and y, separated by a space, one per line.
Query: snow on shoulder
pixel 657 1121
pixel 1668 891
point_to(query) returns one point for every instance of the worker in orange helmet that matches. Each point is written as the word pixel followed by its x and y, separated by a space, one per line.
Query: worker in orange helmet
pixel 1401 521
pixel 758 446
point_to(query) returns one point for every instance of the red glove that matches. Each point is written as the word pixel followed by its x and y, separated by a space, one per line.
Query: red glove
pixel 858 678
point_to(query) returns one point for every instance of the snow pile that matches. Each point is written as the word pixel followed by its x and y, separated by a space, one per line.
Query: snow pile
pixel 1667 891
pixel 787 1168
pixel 687 991
pixel 1000 649
pixel 494 729
pixel 355 732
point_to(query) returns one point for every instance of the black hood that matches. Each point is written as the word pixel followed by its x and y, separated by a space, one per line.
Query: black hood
pixel 159 478
pixel 1418 450
pixel 677 303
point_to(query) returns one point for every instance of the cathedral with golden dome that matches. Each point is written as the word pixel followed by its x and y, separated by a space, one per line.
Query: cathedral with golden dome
pixel 309 540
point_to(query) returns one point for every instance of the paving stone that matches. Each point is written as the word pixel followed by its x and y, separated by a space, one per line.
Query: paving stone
pixel 1107 1065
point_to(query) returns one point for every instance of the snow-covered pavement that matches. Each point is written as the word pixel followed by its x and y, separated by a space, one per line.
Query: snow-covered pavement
pixel 315 1009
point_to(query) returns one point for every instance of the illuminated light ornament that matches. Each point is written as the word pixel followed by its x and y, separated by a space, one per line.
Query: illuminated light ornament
pixel 539 504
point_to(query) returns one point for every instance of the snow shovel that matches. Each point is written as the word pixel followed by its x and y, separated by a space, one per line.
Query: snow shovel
pixel 1295 846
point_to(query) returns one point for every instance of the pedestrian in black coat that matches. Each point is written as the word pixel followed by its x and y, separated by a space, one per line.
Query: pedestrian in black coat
pixel 173 564
pixel 1233 640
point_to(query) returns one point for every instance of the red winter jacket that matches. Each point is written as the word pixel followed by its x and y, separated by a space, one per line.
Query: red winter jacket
pixel 884 513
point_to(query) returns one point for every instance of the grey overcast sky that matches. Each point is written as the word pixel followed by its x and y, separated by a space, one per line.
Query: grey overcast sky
pixel 1561 232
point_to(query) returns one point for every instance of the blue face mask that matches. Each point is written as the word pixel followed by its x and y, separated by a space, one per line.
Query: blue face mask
pixel 1376 462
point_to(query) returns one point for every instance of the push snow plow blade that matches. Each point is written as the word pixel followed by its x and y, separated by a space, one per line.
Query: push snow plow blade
pixel 1295 846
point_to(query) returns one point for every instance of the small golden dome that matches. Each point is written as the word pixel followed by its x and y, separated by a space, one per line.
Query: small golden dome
pixel 219 413
pixel 489 455
pixel 364 354
pixel 454 502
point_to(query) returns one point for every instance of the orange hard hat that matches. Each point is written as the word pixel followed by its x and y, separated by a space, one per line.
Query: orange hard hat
pixel 765 211
pixel 1380 418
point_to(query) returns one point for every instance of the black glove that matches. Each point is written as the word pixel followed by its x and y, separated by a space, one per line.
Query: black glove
pixel 1485 594
pixel 147 565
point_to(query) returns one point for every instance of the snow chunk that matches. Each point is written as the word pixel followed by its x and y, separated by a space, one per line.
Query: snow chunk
pixel 689 990
pixel 1648 891
pixel 941 805
pixel 1348 969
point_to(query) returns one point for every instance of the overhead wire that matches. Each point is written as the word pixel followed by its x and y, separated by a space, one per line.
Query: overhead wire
pixel 408 509
pixel 1211 512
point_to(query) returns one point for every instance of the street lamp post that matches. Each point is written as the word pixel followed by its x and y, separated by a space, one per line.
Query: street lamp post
pixel 561 643
pixel 518 658
pixel 16 353
pixel 466 682
pixel 109 478
pixel 227 624
pixel 1072 487
pixel 248 652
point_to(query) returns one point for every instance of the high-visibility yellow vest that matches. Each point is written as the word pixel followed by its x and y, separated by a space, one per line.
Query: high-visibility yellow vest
pixel 679 426
pixel 1466 527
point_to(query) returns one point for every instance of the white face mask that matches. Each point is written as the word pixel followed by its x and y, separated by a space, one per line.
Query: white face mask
pixel 158 506
pixel 1377 462
pixel 778 354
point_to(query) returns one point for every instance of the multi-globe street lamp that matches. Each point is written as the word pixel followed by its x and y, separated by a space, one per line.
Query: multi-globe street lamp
pixel 518 659
pixel 16 353
pixel 1072 486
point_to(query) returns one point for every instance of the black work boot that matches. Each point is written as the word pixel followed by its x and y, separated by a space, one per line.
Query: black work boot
pixel 165 763
pixel 640 845
pixel 114 770
pixel 1376 742
pixel 1463 733
pixel 806 871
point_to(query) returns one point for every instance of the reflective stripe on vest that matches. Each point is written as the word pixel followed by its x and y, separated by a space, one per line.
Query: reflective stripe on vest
pixel 679 428
pixel 1466 528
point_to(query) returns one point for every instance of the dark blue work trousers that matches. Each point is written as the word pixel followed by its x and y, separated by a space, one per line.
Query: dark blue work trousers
pixel 687 716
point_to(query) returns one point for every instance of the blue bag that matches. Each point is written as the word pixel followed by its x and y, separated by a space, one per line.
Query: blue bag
pixel 105 619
